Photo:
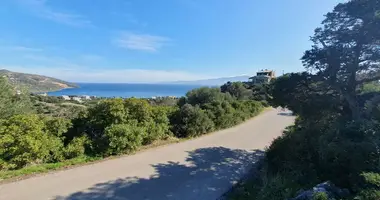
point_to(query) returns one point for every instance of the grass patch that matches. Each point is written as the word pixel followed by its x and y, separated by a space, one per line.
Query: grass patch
pixel 43 168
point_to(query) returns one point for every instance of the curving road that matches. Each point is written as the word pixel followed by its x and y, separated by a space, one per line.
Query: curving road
pixel 203 168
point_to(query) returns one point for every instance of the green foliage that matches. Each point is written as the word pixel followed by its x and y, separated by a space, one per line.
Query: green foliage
pixel 205 95
pixel 191 121
pixel 219 110
pixel 12 103
pixel 124 138
pixel 237 89
pixel 336 136
pixel 76 147
pixel 159 127
pixel 64 131
pixel 23 141
pixel 35 83
pixel 164 101
pixel 345 51
pixel 320 196
pixel 138 109
pixel 370 87
pixel 370 186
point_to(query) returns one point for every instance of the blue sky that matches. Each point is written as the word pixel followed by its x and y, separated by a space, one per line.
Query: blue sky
pixel 153 41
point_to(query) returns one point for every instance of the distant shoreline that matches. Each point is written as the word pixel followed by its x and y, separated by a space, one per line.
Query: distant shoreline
pixel 126 90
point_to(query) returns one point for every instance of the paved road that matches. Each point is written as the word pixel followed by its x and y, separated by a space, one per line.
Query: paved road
pixel 201 169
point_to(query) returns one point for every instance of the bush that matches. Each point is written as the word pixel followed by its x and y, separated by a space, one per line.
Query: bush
pixel 76 147
pixel 320 196
pixel 370 187
pixel 23 141
pixel 102 115
pixel 138 110
pixel 191 121
pixel 206 95
pixel 124 138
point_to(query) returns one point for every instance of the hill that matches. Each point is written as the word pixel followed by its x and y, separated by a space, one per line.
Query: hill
pixel 213 82
pixel 35 83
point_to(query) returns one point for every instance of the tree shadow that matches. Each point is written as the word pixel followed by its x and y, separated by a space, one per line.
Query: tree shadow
pixel 285 114
pixel 208 173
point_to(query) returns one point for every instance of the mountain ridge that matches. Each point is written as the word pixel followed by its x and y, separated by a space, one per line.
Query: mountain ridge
pixel 35 83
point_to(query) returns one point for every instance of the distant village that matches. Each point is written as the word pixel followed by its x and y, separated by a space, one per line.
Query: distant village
pixel 82 98
pixel 261 77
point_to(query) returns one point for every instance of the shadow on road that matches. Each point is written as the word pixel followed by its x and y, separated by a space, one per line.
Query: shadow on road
pixel 194 180
pixel 285 114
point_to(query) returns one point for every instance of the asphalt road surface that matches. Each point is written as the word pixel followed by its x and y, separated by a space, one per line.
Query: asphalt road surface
pixel 202 169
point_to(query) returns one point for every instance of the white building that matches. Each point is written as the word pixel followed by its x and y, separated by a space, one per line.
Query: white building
pixel 86 97
pixel 65 97
pixel 78 99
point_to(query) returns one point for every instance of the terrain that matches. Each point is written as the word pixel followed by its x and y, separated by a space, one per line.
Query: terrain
pixel 35 83
pixel 202 168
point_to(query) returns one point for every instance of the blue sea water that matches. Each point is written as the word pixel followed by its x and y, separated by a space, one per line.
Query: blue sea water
pixel 126 90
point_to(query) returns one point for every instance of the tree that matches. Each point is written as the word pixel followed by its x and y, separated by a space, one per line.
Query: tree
pixel 304 96
pixel 345 53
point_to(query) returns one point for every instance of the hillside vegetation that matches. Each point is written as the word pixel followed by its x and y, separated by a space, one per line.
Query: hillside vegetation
pixel 336 136
pixel 40 133
pixel 35 83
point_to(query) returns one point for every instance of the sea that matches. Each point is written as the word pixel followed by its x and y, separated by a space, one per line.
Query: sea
pixel 126 90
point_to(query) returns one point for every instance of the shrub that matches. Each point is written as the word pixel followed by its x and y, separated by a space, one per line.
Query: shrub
pixel 76 147
pixel 370 188
pixel 345 151
pixel 124 138
pixel 205 95
pixel 138 109
pixel 159 127
pixel 102 115
pixel 191 121
pixel 320 196
pixel 237 89
pixel 23 140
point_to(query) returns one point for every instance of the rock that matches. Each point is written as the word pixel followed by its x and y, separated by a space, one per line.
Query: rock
pixel 328 188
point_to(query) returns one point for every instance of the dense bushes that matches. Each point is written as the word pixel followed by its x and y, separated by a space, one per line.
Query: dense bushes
pixel 191 121
pixel 31 139
pixel 206 109
pixel 123 138
pixel 111 126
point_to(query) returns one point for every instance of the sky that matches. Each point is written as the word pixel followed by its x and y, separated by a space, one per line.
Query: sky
pixel 156 40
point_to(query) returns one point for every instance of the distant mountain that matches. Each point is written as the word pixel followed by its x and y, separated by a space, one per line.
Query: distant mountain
pixel 213 82
pixel 35 83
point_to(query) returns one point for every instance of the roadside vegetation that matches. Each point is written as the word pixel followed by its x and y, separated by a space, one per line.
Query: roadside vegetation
pixel 38 133
pixel 336 136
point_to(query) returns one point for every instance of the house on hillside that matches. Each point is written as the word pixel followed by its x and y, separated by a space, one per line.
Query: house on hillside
pixel 263 77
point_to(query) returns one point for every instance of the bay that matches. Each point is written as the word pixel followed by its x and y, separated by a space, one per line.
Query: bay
pixel 126 90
